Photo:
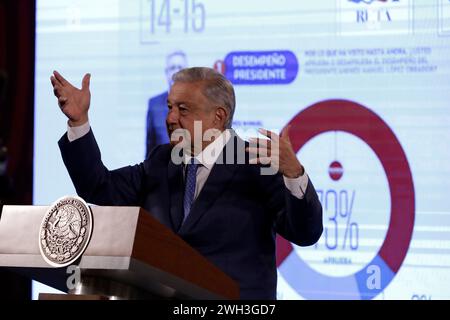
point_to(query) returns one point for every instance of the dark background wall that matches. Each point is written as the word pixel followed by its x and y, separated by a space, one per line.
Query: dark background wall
pixel 17 39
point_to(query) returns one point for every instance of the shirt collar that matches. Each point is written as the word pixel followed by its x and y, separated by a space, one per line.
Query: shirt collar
pixel 209 155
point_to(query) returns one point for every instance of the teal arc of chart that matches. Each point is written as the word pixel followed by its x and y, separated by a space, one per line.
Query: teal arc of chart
pixel 368 282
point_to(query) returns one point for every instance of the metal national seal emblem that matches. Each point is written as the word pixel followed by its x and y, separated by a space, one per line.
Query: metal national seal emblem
pixel 65 231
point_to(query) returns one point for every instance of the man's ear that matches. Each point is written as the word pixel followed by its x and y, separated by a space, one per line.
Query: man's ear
pixel 221 116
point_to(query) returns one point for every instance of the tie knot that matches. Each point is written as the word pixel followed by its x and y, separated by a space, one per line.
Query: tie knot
pixel 191 167
pixel 193 162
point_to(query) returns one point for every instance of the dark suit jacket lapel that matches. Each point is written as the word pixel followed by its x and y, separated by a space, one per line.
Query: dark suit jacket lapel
pixel 176 186
pixel 217 182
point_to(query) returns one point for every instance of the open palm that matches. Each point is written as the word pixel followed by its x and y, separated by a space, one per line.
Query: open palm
pixel 73 102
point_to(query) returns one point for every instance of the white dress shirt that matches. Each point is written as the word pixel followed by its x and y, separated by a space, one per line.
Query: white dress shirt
pixel 207 159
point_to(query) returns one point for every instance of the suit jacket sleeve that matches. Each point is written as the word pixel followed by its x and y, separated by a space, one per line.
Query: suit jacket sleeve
pixel 297 220
pixel 93 181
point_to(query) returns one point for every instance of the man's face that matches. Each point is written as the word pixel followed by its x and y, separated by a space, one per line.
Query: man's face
pixel 187 104
pixel 174 64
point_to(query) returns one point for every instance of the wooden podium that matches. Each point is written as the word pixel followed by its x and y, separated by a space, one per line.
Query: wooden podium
pixel 130 256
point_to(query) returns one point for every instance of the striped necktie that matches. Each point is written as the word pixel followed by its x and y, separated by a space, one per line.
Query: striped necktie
pixel 189 188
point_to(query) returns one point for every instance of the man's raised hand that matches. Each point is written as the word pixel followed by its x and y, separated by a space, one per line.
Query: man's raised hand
pixel 73 102
pixel 277 151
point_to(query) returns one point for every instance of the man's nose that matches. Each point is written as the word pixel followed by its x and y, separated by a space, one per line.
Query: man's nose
pixel 173 116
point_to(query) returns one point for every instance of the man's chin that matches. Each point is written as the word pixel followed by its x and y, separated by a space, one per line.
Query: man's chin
pixel 178 144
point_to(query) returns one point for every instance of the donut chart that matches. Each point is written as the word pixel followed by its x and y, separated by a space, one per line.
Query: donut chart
pixel 373 278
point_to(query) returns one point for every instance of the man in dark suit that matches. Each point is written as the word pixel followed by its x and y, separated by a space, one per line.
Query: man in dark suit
pixel 203 185
pixel 157 106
